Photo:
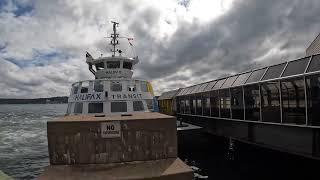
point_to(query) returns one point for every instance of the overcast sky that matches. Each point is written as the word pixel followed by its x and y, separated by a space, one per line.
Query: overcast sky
pixel 179 42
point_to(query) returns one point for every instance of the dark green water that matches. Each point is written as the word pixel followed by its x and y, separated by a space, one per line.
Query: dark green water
pixel 24 153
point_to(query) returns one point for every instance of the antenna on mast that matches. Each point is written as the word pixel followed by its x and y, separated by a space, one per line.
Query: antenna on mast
pixel 114 42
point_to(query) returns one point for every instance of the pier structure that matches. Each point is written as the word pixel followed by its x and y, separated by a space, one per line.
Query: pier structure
pixel 140 145
pixel 275 107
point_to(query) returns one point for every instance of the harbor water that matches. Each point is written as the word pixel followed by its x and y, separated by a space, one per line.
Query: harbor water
pixel 24 151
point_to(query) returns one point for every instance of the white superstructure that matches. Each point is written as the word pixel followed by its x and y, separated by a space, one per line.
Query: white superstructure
pixel 114 90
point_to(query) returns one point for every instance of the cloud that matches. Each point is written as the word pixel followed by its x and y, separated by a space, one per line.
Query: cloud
pixel 179 43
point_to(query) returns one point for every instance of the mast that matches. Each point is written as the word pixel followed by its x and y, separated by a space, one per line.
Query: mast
pixel 114 42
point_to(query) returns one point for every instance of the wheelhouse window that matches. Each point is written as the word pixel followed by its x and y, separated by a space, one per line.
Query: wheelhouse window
pixel 138 106
pixel 116 86
pixel 78 106
pixel 252 102
pixel 118 106
pixel 132 88
pixel 99 66
pixel 85 87
pixel 113 64
pixel 75 88
pixel 95 108
pixel 237 103
pixel 293 101
pixel 270 102
pixel 98 86
pixel 127 65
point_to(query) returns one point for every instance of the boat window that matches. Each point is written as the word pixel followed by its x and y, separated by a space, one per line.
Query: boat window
pixel 76 88
pixel 144 87
pixel 293 101
pixel 127 65
pixel 256 75
pixel 78 108
pixel 270 102
pixel 95 108
pixel 149 104
pixel 314 64
pixel 113 64
pixel 132 88
pixel 116 86
pixel 85 87
pixel 252 102
pixel 98 86
pixel 241 79
pixel 274 71
pixel 138 106
pixel 118 106
pixel 99 66
pixel 296 67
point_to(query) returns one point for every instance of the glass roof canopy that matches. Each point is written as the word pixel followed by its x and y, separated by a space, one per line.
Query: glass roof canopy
pixel 301 66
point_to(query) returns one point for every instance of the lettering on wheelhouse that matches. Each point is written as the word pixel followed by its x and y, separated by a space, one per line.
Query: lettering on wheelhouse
pixel 87 97
pixel 125 96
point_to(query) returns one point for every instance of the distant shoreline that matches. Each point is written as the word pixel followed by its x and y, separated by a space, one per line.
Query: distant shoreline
pixel 51 100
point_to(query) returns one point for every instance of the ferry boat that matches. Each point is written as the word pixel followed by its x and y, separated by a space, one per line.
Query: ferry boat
pixel 113 91
pixel 111 130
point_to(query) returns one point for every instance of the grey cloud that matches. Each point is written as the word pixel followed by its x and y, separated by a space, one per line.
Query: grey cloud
pixel 251 34
pixel 241 36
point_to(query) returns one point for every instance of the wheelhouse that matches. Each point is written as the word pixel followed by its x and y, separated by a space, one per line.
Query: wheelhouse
pixel 111 96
